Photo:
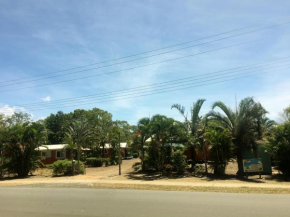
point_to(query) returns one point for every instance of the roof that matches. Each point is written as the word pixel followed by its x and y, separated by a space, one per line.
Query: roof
pixel 51 147
pixel 55 147
pixel 123 145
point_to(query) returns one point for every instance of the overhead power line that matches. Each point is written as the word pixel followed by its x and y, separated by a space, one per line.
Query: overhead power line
pixel 133 60
pixel 226 71
pixel 214 81
pixel 149 92
pixel 150 64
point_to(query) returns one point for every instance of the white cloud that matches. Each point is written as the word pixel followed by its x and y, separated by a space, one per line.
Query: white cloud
pixel 8 111
pixel 46 99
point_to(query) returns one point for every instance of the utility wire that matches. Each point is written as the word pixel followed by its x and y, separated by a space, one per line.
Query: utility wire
pixel 149 94
pixel 141 58
pixel 159 89
pixel 216 73
pixel 154 63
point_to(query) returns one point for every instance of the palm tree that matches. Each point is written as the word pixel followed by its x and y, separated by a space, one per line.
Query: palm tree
pixel 78 133
pixel 143 133
pixel 102 129
pixel 220 144
pixel 193 125
pixel 70 146
pixel 162 129
pixel 241 123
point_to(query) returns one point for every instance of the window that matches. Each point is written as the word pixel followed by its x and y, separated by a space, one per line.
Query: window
pixel 46 154
pixel 60 154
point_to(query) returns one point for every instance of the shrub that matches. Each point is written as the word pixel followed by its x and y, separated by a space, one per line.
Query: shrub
pixel 199 170
pixel 115 160
pixel 135 155
pixel 106 161
pixel 64 167
pixel 94 162
pixel 179 162
pixel 137 166
pixel 280 147
pixel 168 168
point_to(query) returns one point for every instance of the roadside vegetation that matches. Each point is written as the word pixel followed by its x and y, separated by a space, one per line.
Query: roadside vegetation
pixel 165 146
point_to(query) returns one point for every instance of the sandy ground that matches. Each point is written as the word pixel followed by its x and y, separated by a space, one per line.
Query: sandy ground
pixel 107 177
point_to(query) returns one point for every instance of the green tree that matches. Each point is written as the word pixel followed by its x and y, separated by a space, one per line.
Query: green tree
pixel 103 128
pixel 220 145
pixel 22 141
pixel 78 133
pixel 144 133
pixel 241 123
pixel 56 125
pixel 193 125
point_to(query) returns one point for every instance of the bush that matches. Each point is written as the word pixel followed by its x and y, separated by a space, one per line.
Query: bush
pixel 137 166
pixel 94 162
pixel 179 162
pixel 98 162
pixel 199 170
pixel 280 147
pixel 64 167
pixel 106 161
pixel 135 155
pixel 115 160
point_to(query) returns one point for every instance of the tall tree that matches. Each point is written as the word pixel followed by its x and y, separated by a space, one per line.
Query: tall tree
pixel 57 125
pixel 193 125
pixel 103 128
pixel 241 123
pixel 78 133
pixel 142 135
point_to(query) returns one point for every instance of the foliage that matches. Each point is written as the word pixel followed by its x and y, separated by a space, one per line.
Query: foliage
pixel 56 125
pixel 179 162
pixel 21 141
pixel 106 161
pixel 94 162
pixel 194 126
pixel 97 162
pixel 242 123
pixel 199 170
pixel 280 145
pixel 220 144
pixel 78 133
pixel 135 155
pixel 64 167
pixel 137 166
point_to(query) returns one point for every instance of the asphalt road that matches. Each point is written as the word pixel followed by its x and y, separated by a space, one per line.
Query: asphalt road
pixel 44 202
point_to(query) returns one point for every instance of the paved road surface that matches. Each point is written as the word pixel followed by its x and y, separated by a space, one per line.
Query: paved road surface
pixel 52 202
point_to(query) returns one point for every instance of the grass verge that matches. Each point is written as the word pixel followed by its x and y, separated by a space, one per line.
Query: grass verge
pixel 253 190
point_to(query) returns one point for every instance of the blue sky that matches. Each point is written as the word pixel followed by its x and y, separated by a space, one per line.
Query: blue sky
pixel 39 37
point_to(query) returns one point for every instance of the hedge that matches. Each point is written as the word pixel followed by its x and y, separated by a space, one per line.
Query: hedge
pixel 64 167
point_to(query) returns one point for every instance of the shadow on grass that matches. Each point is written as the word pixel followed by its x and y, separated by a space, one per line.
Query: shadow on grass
pixel 229 177
pixel 279 178
pixel 15 177
pixel 151 176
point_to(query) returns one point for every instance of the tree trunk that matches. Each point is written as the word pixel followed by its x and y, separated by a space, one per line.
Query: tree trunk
pixel 240 162
pixel 205 157
pixel 103 152
pixel 78 159
pixel 143 155
pixel 1 167
pixel 193 162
